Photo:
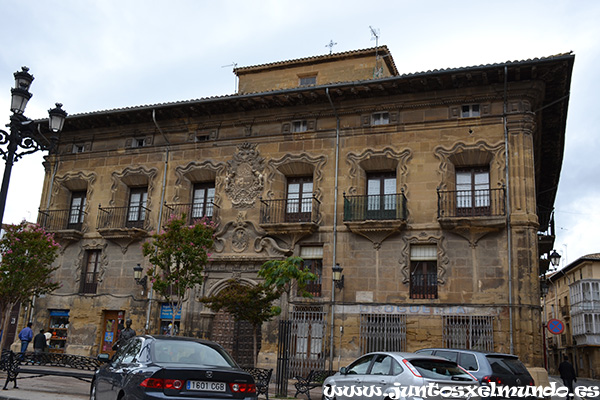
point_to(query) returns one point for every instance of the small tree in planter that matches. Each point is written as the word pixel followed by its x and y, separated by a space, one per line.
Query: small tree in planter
pixel 282 276
pixel 246 303
pixel 178 256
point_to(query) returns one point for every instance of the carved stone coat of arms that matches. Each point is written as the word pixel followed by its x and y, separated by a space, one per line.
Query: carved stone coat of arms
pixel 245 180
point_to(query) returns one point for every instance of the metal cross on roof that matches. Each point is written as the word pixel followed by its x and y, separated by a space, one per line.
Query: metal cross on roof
pixel 330 45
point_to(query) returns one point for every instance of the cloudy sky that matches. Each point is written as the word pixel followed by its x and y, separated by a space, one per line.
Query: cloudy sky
pixel 105 54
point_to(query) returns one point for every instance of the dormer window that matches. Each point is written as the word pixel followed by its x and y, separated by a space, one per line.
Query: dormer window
pixel 299 126
pixel 308 80
pixel 380 118
pixel 470 110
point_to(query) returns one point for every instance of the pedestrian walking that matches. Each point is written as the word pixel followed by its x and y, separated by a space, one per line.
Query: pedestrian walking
pixel 39 342
pixel 567 374
pixel 26 335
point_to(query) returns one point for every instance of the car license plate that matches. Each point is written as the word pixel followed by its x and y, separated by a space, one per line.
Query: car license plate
pixel 206 386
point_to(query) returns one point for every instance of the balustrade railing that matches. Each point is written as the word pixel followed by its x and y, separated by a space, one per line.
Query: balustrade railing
pixel 375 207
pixel 471 203
pixel 278 211
pixel 123 217
pixel 58 220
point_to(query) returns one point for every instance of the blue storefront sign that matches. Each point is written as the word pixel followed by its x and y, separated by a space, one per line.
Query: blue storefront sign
pixel 166 312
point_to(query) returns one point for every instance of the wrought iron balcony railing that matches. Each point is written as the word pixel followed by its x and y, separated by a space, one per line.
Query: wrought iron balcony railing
pixel 123 217
pixel 59 220
pixel 471 203
pixel 375 207
pixel 279 211
pixel 423 286
pixel 193 211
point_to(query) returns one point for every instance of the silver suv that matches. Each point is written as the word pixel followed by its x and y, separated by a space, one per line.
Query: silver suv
pixel 503 369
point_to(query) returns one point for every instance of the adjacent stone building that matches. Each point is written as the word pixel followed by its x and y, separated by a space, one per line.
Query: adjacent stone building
pixel 433 191
pixel 573 298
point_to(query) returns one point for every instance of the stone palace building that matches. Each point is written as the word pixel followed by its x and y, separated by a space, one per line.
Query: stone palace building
pixel 433 191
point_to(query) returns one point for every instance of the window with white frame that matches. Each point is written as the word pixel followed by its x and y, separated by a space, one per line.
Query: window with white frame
pixel 308 80
pixel 470 110
pixel 202 200
pixel 313 260
pixel 78 148
pixel 380 118
pixel 136 213
pixel 77 209
pixel 308 333
pixel 298 206
pixel 299 126
pixel 423 272
pixel 473 191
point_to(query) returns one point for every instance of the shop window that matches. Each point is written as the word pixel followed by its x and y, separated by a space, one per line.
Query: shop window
pixel 166 320
pixel 58 327
pixel 90 271
pixel 423 272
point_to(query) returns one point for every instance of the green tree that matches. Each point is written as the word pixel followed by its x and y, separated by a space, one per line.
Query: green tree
pixel 178 256
pixel 246 303
pixel 26 269
pixel 283 275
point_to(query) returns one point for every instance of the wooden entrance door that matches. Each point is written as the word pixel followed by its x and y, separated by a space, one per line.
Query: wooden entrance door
pixel 110 330
pixel 235 337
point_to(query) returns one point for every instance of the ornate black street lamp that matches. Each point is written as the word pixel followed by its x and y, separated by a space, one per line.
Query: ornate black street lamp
pixel 25 135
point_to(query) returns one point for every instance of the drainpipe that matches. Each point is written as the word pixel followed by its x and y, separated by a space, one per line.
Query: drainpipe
pixel 160 210
pixel 335 214
pixel 508 227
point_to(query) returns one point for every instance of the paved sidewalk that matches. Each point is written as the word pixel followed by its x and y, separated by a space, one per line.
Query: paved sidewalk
pixel 66 388
pixel 46 388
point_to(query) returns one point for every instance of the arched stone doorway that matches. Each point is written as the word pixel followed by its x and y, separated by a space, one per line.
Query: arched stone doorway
pixel 236 337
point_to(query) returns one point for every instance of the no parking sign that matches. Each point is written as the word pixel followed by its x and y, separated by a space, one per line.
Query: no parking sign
pixel 555 326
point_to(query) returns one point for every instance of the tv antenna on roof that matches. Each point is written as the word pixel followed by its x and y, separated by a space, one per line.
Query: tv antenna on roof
pixel 378 71
pixel 374 35
pixel 330 45
pixel 233 64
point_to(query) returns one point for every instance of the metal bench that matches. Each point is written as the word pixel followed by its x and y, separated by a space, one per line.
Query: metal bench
pixel 314 379
pixel 262 377
pixel 42 364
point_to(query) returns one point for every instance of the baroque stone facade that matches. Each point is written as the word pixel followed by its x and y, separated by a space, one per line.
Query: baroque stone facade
pixel 428 189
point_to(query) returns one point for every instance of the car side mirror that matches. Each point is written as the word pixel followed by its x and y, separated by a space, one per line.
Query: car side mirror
pixel 344 371
pixel 104 357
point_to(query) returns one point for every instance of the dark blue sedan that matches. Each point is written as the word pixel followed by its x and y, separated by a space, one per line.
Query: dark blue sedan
pixel 174 368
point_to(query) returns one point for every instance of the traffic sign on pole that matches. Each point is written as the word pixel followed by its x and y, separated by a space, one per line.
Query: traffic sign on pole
pixel 555 326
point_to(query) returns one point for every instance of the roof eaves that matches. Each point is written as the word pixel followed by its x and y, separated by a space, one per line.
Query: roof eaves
pixel 329 85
